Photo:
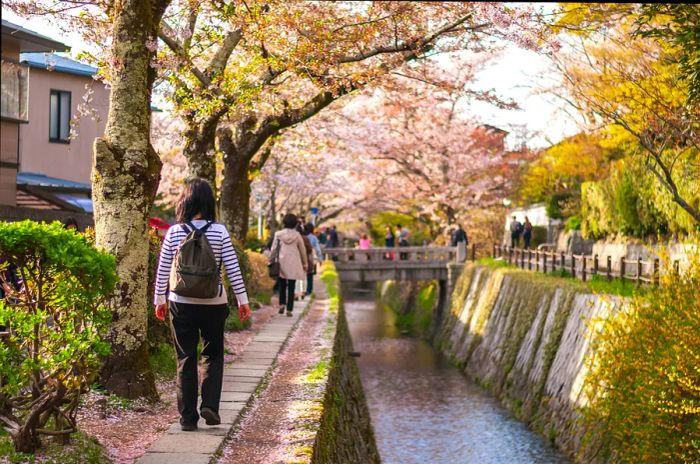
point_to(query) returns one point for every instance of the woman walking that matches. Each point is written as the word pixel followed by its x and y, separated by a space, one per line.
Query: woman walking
pixel 197 300
pixel 288 247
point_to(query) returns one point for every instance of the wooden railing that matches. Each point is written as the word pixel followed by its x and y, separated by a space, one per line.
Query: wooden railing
pixel 582 267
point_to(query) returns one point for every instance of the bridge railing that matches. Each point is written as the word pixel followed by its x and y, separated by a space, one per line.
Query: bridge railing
pixel 401 254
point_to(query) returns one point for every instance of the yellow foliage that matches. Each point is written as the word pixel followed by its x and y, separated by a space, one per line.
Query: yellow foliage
pixel 563 167
pixel 644 383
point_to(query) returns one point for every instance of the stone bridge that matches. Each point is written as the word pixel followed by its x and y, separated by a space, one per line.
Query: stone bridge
pixel 443 264
pixel 403 263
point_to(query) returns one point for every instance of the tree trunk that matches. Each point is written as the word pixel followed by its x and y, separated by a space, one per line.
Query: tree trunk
pixel 199 150
pixel 125 176
pixel 235 187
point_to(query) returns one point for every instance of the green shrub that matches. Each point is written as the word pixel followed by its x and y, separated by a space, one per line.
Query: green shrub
pixel 573 223
pixel 632 202
pixel 259 284
pixel 252 242
pixel 57 322
pixel 644 382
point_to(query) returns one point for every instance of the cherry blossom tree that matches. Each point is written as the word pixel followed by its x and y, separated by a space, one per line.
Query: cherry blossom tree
pixel 408 145
pixel 126 168
pixel 254 69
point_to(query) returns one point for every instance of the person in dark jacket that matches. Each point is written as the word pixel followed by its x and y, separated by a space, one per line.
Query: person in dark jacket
pixel 459 235
pixel 527 233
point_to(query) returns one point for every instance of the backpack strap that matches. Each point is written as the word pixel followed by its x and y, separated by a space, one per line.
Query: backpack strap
pixel 184 227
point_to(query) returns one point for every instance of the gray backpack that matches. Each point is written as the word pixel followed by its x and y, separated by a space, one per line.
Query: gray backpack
pixel 195 272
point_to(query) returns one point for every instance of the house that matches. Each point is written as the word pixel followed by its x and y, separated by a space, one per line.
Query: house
pixel 14 100
pixel 62 110
pixel 57 141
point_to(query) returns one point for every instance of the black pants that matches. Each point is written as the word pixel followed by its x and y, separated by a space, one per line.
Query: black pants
pixel 526 239
pixel 309 283
pixel 287 293
pixel 514 239
pixel 188 323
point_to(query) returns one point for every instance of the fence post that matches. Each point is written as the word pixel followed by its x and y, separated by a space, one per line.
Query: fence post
pixel 544 262
pixel 609 268
pixel 529 260
pixel 510 255
pixel 573 265
pixel 493 251
pixel 595 264
pixel 562 265
pixel 656 271
pixel 583 267
pixel 623 271
pixel 639 271
pixel 473 252
pixel 537 261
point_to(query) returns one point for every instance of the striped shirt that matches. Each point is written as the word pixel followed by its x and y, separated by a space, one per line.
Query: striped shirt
pixel 220 242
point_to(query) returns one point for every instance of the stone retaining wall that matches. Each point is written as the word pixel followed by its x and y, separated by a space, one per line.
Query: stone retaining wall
pixel 345 434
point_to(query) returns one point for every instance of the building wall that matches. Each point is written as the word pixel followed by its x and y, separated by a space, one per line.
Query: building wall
pixel 72 161
pixel 8 142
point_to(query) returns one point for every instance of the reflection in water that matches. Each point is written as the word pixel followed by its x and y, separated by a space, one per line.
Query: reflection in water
pixel 423 409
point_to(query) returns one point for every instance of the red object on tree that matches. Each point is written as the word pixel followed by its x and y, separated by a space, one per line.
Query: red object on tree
pixel 158 223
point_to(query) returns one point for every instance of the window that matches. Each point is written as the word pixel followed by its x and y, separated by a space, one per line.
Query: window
pixel 13 104
pixel 59 117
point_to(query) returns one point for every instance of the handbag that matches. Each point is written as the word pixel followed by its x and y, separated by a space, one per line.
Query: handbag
pixel 273 267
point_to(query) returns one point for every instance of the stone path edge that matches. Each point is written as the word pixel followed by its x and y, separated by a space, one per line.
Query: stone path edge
pixel 263 384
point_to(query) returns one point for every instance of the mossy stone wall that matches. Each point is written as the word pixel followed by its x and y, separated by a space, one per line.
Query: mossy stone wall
pixel 345 434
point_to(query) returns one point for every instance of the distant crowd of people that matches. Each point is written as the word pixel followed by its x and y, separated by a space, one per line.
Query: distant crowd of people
pixel 518 229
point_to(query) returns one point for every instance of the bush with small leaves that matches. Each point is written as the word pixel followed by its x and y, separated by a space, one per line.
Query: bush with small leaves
pixel 644 381
pixel 56 319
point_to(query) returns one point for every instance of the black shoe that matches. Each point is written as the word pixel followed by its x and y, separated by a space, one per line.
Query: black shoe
pixel 281 311
pixel 210 416
pixel 289 314
pixel 188 427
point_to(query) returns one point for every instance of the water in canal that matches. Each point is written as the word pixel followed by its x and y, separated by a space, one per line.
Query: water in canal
pixel 426 411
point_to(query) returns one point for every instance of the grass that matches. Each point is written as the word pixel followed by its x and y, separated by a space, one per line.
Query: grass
pixel 233 322
pixel 318 373
pixel 492 262
pixel 163 360
pixel 81 450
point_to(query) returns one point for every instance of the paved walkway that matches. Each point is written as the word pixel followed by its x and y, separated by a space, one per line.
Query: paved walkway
pixel 241 380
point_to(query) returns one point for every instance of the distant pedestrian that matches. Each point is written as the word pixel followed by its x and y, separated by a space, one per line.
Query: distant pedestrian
pixel 402 234
pixel 333 240
pixel 364 242
pixel 459 236
pixel 515 231
pixel 197 300
pixel 527 233
pixel 301 284
pixel 289 248
pixel 316 257
pixel 322 236
pixel 389 242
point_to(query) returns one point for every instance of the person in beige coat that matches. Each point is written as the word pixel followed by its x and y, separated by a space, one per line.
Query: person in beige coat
pixel 288 247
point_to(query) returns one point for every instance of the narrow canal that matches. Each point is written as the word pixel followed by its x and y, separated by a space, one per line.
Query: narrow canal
pixel 423 409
